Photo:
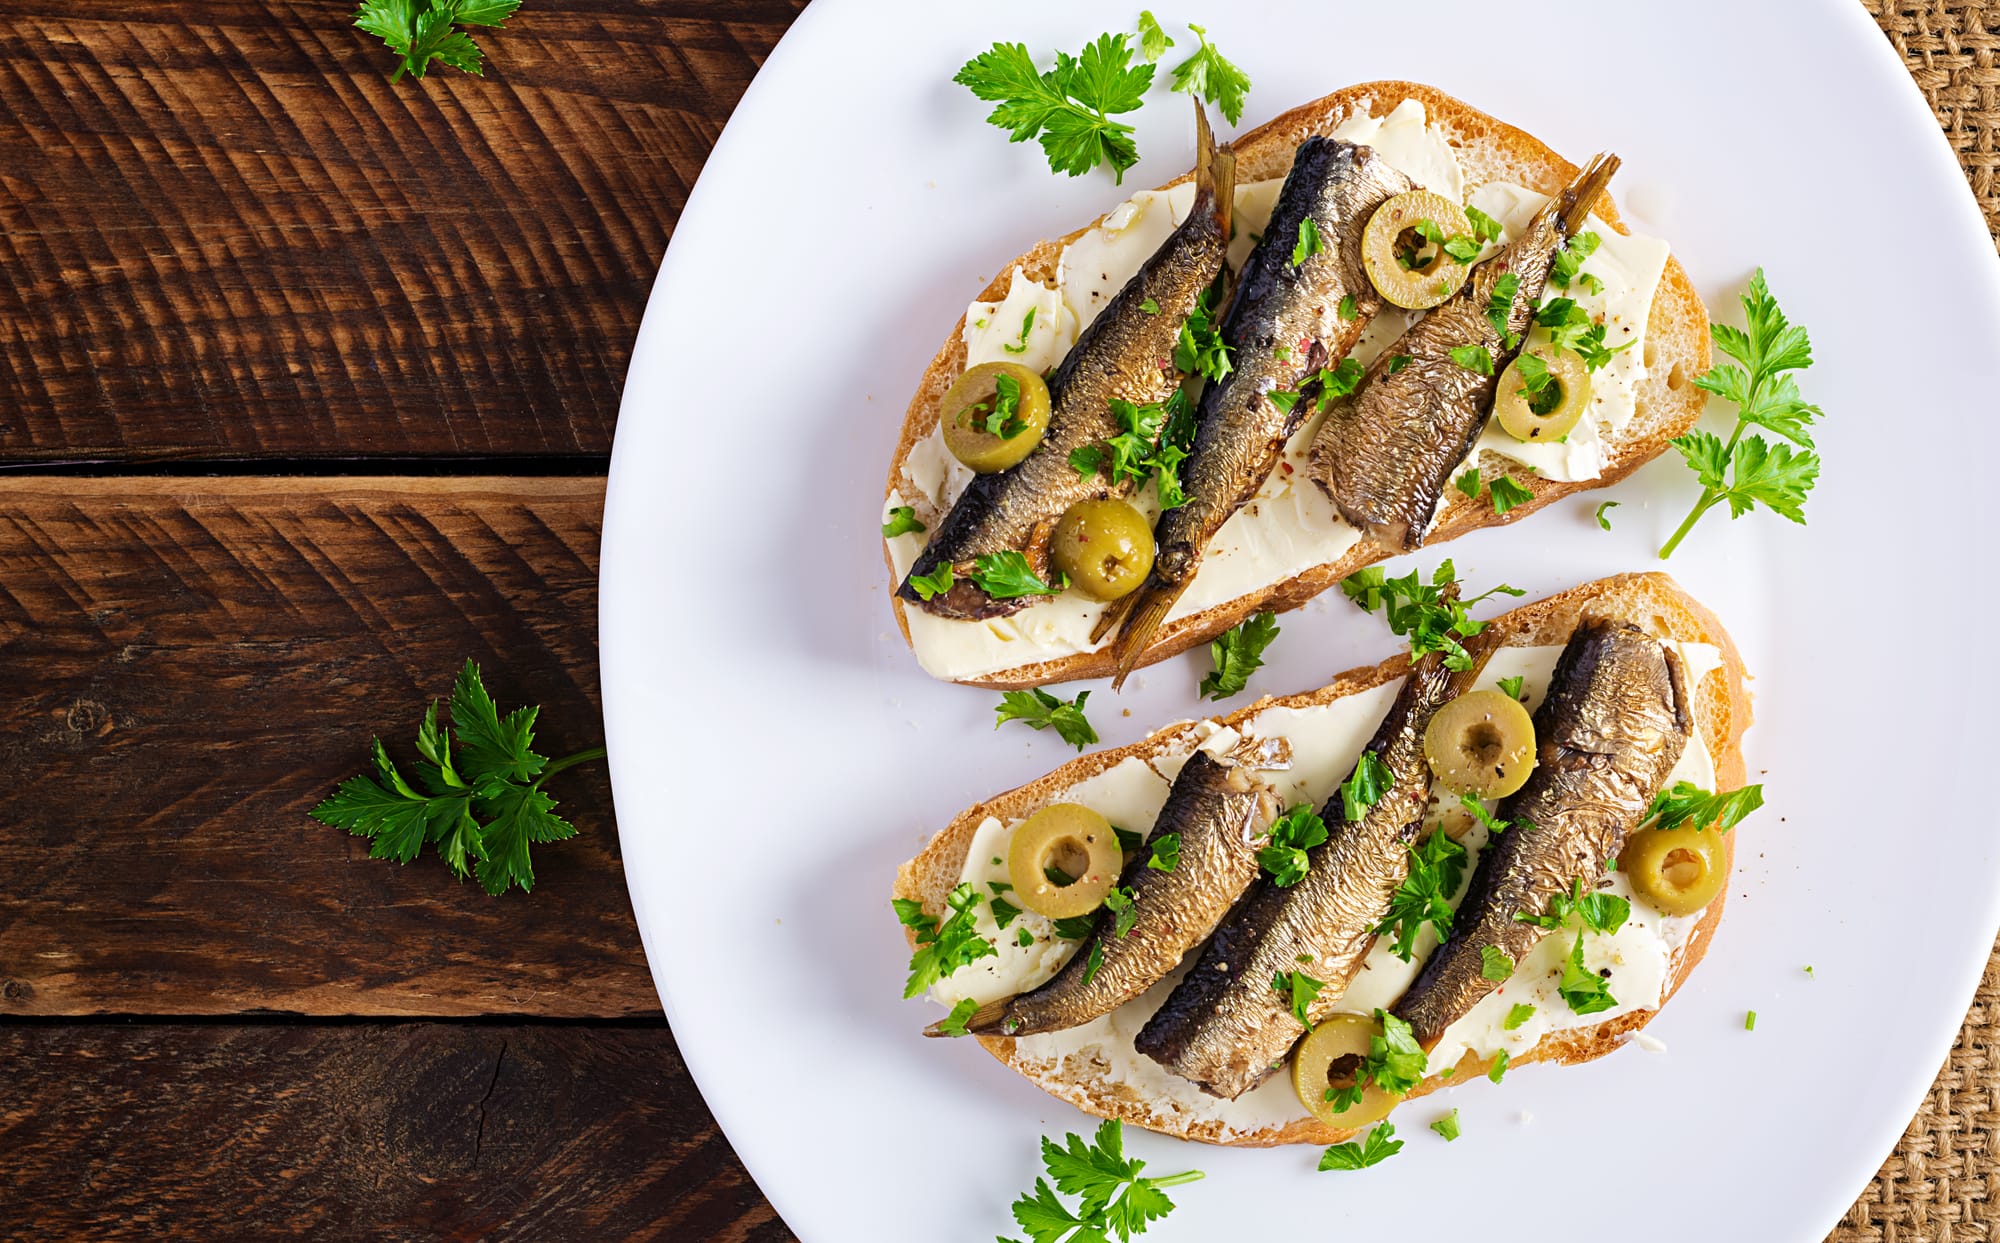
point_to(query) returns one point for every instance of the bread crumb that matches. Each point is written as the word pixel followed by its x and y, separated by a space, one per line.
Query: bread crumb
pixel 1651 1044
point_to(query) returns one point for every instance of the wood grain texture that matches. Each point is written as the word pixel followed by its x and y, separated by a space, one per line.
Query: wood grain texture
pixel 192 664
pixel 392 1132
pixel 224 233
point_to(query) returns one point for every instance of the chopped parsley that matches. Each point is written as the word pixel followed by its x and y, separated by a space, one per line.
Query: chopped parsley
pixel 421 33
pixel 1505 493
pixel 1349 309
pixel 1200 348
pixel 1339 380
pixel 1500 309
pixel 1687 803
pixel 1166 855
pixel 1006 575
pixel 1003 911
pixel 1155 442
pixel 1150 307
pixel 1124 906
pixel 1473 358
pixel 1003 417
pixel 1484 227
pixel 1020 346
pixel 1068 109
pixel 1603 521
pixel 1114 1198
pixel 1500 1062
pixel 1395 1063
pixel 1309 243
pixel 1437 865
pixel 1074 927
pixel 1432 615
pixel 1380 1144
pixel 1494 825
pixel 1599 912
pixel 942 949
pixel 902 519
pixel 1095 962
pixel 1399 361
pixel 1495 964
pixel 1153 41
pixel 1511 687
pixel 1237 653
pixel 1468 483
pixel 1371 779
pixel 1569 260
pixel 936 583
pixel 1584 990
pixel 953 1024
pixel 1283 855
pixel 1213 78
pixel 1747 470
pixel 1302 988
pixel 1447 1126
pixel 1520 1014
pixel 1042 710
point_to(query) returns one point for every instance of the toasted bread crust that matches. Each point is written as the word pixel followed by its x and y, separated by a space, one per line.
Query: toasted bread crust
pixel 1652 600
pixel 1677 347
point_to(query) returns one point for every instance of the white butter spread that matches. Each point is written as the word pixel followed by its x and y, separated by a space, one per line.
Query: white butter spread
pixel 1324 742
pixel 1289 526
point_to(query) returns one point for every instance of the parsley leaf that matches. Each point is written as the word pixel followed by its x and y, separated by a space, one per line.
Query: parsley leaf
pixel 420 31
pixel 1500 1063
pixel 1603 521
pixel 1114 1198
pixel 1003 911
pixel 1005 575
pixel 1075 927
pixel 1500 308
pixel 1153 41
pixel 942 949
pixel 1505 494
pixel 1468 483
pixel 1339 380
pixel 1124 905
pixel 902 518
pixel 1600 912
pixel 1585 991
pixel 1473 358
pixel 1746 470
pixel 1494 825
pixel 481 807
pixel 1381 1144
pixel 1237 653
pixel 1432 614
pixel 1495 964
pixel 1437 865
pixel 1068 109
pixel 953 1024
pixel 1200 348
pixel 1283 855
pixel 1302 989
pixel 1520 1014
pixel 1166 855
pixel 1349 310
pixel 1447 1126
pixel 935 583
pixel 1687 803
pixel 1511 687
pixel 1399 361
pixel 1308 244
pixel 1370 781
pixel 1155 441
pixel 1569 260
pixel 1042 710
pixel 1208 75
pixel 1150 306
pixel 1484 227
pixel 1018 346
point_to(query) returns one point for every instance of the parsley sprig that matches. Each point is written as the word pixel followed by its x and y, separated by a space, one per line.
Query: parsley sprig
pixel 1114 1198
pixel 1068 109
pixel 1283 854
pixel 481 802
pixel 1379 1145
pixel 1041 710
pixel 1746 470
pixel 1688 803
pixel 1155 441
pixel 421 31
pixel 1395 1063
pixel 942 948
pixel 1437 865
pixel 1432 614
pixel 1208 74
pixel 1237 653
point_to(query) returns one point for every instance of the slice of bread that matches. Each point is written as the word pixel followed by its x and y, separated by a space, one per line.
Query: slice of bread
pixel 1676 351
pixel 1652 601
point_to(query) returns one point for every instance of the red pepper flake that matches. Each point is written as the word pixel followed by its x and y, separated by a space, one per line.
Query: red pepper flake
pixel 1287 466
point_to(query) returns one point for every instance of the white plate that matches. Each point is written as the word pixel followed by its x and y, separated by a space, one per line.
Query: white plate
pixel 776 752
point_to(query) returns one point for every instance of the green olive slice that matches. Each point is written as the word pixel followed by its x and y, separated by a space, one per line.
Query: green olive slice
pixel 1327 1059
pixel 1063 860
pixel 1105 547
pixel 1547 415
pixel 995 415
pixel 1679 871
pixel 1482 744
pixel 1410 269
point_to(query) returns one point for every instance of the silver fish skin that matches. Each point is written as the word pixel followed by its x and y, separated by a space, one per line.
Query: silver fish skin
pixel 1615 722
pixel 1224 1027
pixel 1282 327
pixel 1126 354
pixel 1218 809
pixel 1385 457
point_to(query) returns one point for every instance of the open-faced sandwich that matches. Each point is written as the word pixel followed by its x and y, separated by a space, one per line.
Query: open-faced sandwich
pixel 1510 845
pixel 1378 321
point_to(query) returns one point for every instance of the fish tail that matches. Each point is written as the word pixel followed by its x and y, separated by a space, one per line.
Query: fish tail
pixel 1144 615
pixel 1214 173
pixel 1581 195
pixel 985 1021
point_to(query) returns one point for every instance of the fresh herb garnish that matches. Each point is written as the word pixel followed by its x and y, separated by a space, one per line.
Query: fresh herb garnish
pixel 1500 1063
pixel 421 31
pixel 1380 1144
pixel 1155 441
pixel 1308 244
pixel 1511 687
pixel 1114 1198
pixel 1473 358
pixel 1237 653
pixel 1068 109
pixel 1371 779
pixel 1585 991
pixel 902 519
pixel 1200 349
pixel 1283 855
pixel 942 949
pixel 1150 306
pixel 1599 912
pixel 1399 361
pixel 1074 927
pixel 1128 841
pixel 1468 483
pixel 1569 260
pixel 1095 962
pixel 1302 988
pixel 1006 575
pixel 1603 521
pixel 1124 906
pixel 953 1024
pixel 1750 1021
pixel 1019 346
pixel 481 806
pixel 1166 853
pixel 1042 710
pixel 1494 825
pixel 1520 1014
pixel 1153 41
pixel 1747 471
pixel 1339 380
pixel 1447 1126
pixel 1349 310
pixel 1484 227
pixel 1395 1063
pixel 1495 964
pixel 1535 375
pixel 1003 417
pixel 1500 309
pixel 1505 493
pixel 1432 615
pixel 1213 78
pixel 1687 803
pixel 1003 911
pixel 1437 865
pixel 935 583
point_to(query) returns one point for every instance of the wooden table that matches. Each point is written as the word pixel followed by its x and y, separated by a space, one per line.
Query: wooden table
pixel 307 383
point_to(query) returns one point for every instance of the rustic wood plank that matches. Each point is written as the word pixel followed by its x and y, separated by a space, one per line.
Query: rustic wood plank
pixel 400 1131
pixel 225 233
pixel 191 664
